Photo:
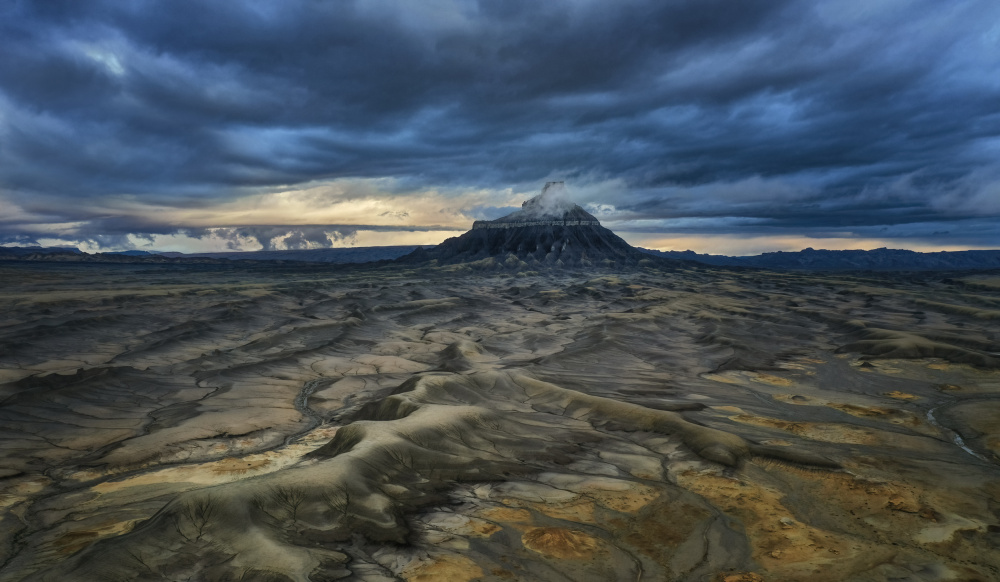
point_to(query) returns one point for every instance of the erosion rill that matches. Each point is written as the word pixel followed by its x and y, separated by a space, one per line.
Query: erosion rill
pixel 507 406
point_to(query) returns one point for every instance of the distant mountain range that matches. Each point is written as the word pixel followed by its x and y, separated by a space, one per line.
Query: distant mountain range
pixel 338 255
pixel 8 252
pixel 809 259
pixel 882 259
pixel 72 255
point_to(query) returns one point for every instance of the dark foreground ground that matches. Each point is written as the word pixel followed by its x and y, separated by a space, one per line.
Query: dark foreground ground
pixel 320 423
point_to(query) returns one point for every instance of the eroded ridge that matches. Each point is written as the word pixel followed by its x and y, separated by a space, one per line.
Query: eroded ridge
pixel 373 426
pixel 440 428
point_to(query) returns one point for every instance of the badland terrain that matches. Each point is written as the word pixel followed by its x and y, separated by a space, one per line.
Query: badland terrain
pixel 534 400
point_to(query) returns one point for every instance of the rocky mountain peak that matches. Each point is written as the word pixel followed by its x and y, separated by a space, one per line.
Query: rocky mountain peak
pixel 552 207
pixel 548 231
pixel 552 202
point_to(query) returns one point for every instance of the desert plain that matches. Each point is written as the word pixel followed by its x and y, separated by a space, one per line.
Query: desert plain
pixel 380 423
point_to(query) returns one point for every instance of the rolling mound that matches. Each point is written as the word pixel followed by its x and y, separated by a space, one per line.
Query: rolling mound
pixel 380 424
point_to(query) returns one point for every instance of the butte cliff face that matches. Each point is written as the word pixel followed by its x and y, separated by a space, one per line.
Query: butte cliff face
pixel 548 231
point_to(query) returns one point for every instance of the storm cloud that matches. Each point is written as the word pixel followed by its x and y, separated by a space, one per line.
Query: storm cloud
pixel 122 120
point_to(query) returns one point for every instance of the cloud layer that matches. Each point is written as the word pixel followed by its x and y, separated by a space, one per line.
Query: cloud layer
pixel 755 118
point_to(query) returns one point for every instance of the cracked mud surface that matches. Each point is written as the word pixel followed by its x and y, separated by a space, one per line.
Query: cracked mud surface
pixel 308 424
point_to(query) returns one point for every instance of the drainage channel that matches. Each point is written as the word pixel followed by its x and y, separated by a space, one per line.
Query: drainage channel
pixel 955 437
pixel 302 405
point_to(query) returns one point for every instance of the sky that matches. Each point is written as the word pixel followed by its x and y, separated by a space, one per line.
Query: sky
pixel 731 127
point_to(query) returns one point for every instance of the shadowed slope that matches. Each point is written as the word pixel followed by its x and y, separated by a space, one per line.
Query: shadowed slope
pixel 381 425
pixel 438 429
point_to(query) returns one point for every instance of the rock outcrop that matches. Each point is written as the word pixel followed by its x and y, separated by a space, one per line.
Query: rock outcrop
pixel 548 231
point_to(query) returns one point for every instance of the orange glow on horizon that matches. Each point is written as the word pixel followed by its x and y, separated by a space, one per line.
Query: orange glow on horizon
pixel 734 245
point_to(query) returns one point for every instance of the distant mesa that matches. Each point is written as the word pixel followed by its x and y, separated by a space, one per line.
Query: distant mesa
pixel 342 255
pixel 548 231
pixel 881 259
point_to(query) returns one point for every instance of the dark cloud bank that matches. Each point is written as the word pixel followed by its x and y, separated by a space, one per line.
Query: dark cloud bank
pixel 758 116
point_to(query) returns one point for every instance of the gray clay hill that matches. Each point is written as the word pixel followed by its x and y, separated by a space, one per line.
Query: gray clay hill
pixel 548 231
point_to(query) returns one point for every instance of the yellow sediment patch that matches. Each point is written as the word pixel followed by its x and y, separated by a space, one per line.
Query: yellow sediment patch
pixel 234 465
pixel 20 490
pixel 461 525
pixel 801 367
pixel 641 466
pixel 204 474
pixel 221 471
pixel 506 515
pixel 791 550
pixel 911 508
pixel 565 544
pixel 730 409
pixel 965 376
pixel 886 366
pixel 659 529
pixel 453 568
pixel 741 377
pixel 74 541
pixel 891 415
pixel 817 431
pixel 615 495
pixel 629 501
pixel 578 510
pixel 802 364
pixel 862 411
pixel 771 380
pixel 797 399
pixel 901 395
pixel 480 528
pixel 786 548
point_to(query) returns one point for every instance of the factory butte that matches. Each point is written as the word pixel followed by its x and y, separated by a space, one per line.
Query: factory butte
pixel 548 231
